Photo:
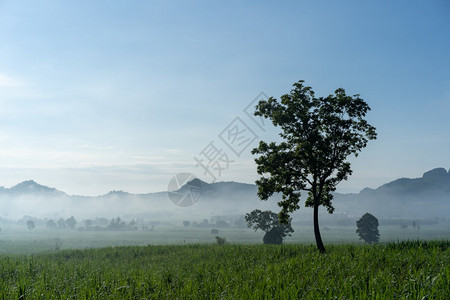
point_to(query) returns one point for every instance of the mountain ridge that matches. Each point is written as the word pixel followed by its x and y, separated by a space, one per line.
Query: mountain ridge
pixel 437 178
pixel 429 194
pixel 431 178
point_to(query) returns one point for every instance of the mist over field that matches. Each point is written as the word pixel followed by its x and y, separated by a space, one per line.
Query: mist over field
pixel 427 197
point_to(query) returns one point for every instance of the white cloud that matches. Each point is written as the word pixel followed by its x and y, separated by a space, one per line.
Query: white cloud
pixel 9 82
pixel 175 151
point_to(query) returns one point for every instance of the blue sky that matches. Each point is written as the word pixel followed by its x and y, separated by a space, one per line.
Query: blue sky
pixel 104 95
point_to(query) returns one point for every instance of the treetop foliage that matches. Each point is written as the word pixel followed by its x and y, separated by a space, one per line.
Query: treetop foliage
pixel 319 133
pixel 367 228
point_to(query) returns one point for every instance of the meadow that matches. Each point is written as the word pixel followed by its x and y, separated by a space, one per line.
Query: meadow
pixel 412 270
pixel 19 240
pixel 174 261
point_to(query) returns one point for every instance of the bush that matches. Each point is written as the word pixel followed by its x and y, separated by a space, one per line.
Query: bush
pixel 220 240
pixel 274 236
pixel 58 244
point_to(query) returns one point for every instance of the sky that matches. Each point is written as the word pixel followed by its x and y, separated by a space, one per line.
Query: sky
pixel 124 95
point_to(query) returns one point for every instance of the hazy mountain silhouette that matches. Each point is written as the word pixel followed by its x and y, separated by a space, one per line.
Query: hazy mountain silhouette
pixel 434 181
pixel 231 190
pixel 32 187
pixel 428 196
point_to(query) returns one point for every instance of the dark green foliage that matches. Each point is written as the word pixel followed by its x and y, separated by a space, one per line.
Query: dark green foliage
pixel 394 271
pixel 269 222
pixel 367 229
pixel 274 236
pixel 425 245
pixel 319 134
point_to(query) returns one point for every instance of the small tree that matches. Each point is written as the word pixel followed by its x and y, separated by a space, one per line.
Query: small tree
pixel 51 224
pixel 71 222
pixel 186 223
pixel 31 225
pixel 268 222
pixel 367 229
pixel 61 223
pixel 220 240
pixel 116 224
pixel 88 223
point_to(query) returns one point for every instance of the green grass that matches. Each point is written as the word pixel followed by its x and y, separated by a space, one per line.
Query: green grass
pixel 413 270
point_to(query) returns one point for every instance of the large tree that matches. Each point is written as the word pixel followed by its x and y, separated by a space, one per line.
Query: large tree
pixel 319 134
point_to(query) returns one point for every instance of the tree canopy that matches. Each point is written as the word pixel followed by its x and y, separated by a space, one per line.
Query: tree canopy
pixel 367 229
pixel 31 225
pixel 269 222
pixel 319 134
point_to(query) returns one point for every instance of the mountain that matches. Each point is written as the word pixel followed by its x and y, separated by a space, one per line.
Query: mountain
pixel 32 187
pixel 31 198
pixel 231 190
pixel 432 182
pixel 427 196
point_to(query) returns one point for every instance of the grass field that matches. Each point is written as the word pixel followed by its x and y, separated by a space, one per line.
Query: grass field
pixel 408 270
pixel 174 261
pixel 19 240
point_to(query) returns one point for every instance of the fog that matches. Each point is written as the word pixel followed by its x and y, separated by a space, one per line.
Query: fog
pixel 420 198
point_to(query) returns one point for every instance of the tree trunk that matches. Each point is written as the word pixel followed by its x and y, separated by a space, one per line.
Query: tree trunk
pixel 319 242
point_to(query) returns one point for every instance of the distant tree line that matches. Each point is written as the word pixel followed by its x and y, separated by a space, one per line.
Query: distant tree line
pixel 97 224
pixel 118 224
pixel 62 223
pixel 217 222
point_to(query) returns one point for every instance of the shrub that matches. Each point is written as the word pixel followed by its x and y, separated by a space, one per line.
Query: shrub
pixel 220 240
pixel 274 236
